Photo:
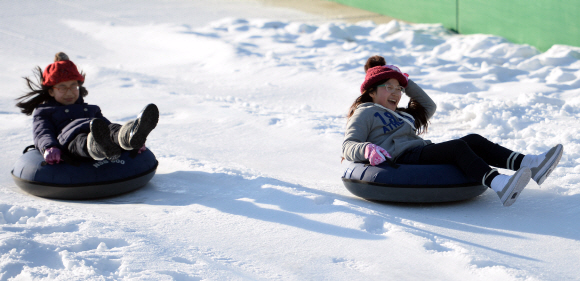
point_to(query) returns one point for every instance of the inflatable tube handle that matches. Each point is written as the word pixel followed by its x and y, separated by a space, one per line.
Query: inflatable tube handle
pixel 28 148
pixel 133 153
pixel 63 155
pixel 391 163
pixel 69 160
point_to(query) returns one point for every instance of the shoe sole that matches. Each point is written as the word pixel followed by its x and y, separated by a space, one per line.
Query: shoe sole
pixel 101 135
pixel 515 186
pixel 540 173
pixel 144 124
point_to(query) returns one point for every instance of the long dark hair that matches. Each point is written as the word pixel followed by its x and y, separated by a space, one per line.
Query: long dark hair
pixel 39 94
pixel 413 107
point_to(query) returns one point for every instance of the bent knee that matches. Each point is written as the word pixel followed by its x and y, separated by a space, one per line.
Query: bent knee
pixel 460 145
pixel 473 138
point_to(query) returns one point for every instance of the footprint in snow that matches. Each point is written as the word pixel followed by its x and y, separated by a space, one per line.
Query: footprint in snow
pixel 182 260
pixel 373 224
pixel 177 275
pixel 274 121
pixel 433 243
pixel 349 263
pixel 323 200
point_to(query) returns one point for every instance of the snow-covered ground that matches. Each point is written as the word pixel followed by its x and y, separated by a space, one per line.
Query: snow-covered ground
pixel 248 187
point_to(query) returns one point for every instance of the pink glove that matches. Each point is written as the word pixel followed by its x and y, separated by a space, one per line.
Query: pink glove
pixel 376 154
pixel 142 149
pixel 52 155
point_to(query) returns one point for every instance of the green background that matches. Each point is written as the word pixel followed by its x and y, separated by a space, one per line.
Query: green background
pixel 540 23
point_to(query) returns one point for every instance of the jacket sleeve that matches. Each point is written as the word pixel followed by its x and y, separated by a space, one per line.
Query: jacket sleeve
pixel 414 91
pixel 355 136
pixel 44 132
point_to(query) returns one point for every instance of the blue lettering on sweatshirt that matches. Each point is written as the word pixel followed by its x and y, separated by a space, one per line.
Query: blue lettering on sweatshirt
pixel 392 123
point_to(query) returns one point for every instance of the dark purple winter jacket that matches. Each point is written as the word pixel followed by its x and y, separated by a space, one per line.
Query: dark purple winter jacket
pixel 57 125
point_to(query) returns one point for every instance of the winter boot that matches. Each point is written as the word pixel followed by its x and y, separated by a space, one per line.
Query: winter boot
pixel 99 143
pixel 509 188
pixel 542 165
pixel 134 133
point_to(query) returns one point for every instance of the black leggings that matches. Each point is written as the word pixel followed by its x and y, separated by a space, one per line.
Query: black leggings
pixel 473 154
pixel 78 146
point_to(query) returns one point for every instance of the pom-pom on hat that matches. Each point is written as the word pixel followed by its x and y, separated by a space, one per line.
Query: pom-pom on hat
pixel 383 72
pixel 62 69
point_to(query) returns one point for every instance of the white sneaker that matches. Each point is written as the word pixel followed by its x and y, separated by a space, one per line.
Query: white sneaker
pixel 546 165
pixel 511 191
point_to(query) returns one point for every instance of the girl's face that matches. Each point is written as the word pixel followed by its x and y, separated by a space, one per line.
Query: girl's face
pixel 388 94
pixel 66 92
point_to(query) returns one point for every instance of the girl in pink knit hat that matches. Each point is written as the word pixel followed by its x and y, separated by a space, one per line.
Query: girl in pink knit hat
pixel 378 130
pixel 64 123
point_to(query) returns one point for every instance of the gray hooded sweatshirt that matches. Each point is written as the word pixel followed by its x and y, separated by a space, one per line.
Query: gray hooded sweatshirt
pixel 392 130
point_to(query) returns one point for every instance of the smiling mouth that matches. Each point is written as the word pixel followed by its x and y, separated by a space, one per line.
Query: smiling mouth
pixel 394 102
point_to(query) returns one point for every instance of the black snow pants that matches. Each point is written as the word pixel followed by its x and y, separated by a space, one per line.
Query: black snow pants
pixel 78 146
pixel 473 154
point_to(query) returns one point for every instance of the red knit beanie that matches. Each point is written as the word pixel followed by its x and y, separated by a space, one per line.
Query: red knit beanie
pixel 62 69
pixel 383 72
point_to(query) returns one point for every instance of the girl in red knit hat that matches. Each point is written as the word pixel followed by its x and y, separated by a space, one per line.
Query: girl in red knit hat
pixel 64 123
pixel 377 130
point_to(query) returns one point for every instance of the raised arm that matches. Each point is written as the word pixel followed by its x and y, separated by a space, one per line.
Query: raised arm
pixel 415 92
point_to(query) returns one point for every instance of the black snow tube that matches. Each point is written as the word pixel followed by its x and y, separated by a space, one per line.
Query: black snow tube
pixel 410 183
pixel 78 180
